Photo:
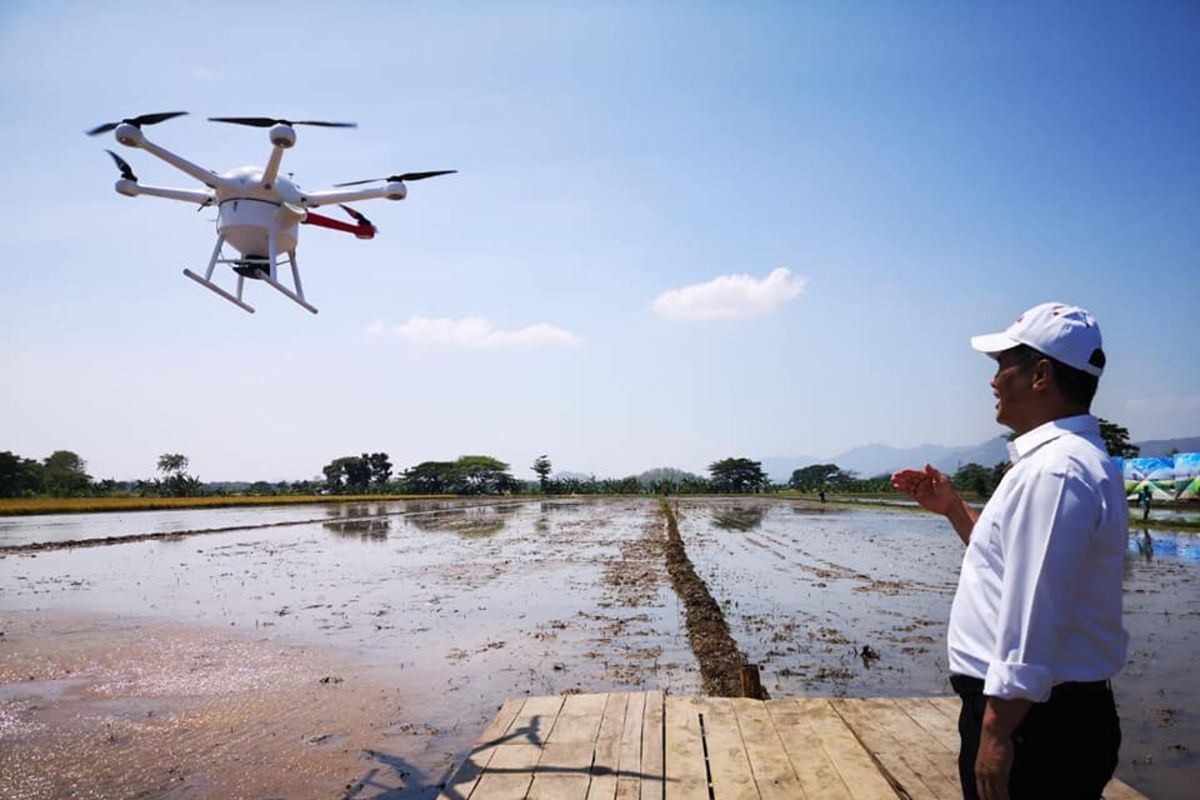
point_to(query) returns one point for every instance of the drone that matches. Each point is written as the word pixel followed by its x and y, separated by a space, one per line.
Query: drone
pixel 258 212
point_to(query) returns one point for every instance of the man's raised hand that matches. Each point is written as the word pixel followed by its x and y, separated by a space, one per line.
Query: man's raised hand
pixel 930 488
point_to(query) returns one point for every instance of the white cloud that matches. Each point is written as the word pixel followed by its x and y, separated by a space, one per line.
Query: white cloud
pixel 478 332
pixel 730 297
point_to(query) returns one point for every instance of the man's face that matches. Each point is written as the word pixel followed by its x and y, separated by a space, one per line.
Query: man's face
pixel 1013 387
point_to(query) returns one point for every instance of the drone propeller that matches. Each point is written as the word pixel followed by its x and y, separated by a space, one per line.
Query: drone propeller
pixel 267 122
pixel 126 170
pixel 407 176
pixel 358 216
pixel 137 122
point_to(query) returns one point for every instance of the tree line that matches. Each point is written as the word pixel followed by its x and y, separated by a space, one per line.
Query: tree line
pixel 64 474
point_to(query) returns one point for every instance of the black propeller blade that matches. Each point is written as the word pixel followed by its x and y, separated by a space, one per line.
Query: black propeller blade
pixel 359 217
pixel 407 176
pixel 126 170
pixel 137 122
pixel 267 122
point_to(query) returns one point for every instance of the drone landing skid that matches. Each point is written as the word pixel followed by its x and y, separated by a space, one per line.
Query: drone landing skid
pixel 237 301
pixel 259 269
pixel 286 292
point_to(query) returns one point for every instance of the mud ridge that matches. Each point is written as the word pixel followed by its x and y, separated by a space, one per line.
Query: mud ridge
pixel 720 659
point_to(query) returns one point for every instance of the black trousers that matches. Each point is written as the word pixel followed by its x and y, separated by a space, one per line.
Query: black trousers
pixel 1065 748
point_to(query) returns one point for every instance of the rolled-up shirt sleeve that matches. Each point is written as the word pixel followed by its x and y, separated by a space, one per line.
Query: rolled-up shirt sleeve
pixel 1044 546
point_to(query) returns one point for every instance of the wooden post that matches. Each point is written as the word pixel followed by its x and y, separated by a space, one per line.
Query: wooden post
pixel 751 685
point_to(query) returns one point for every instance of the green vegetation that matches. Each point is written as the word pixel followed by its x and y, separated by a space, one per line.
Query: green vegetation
pixel 816 477
pixel 358 474
pixel 176 481
pixel 1116 439
pixel 541 467
pixel 738 476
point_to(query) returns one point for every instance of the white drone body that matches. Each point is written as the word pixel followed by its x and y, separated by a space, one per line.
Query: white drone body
pixel 258 212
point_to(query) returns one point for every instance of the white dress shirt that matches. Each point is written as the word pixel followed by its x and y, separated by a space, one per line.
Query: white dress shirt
pixel 1039 595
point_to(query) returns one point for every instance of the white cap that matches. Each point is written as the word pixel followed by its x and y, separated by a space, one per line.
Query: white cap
pixel 1066 333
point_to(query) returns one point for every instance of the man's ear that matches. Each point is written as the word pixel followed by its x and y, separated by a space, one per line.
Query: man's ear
pixel 1042 375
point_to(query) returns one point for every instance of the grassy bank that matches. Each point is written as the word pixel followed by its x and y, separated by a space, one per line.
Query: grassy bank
pixel 87 505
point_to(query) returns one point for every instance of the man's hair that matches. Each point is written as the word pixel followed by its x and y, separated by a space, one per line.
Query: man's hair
pixel 1076 385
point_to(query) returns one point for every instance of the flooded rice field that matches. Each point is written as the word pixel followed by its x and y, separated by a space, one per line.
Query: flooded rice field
pixel 358 650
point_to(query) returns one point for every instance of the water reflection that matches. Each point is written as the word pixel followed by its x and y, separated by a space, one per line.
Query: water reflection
pixel 431 505
pixel 561 505
pixel 476 522
pixel 738 518
pixel 1164 544
pixel 374 529
pixel 372 523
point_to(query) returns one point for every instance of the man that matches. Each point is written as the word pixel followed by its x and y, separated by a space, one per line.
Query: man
pixel 1035 629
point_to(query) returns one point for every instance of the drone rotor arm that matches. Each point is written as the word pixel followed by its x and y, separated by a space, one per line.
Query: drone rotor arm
pixel 207 177
pixel 272 170
pixel 195 196
pixel 324 197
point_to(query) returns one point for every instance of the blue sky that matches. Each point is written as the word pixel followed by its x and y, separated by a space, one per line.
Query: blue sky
pixel 602 280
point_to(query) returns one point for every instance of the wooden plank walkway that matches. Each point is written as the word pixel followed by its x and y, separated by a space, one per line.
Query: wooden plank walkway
pixel 645 745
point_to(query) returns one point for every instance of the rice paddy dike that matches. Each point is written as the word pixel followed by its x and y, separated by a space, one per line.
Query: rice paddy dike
pixel 357 649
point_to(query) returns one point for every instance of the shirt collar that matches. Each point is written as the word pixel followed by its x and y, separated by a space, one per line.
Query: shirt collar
pixel 1083 424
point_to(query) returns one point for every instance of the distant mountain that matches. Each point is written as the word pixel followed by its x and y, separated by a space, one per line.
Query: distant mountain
pixel 567 475
pixel 876 459
pixel 652 477
pixel 989 453
pixel 1152 448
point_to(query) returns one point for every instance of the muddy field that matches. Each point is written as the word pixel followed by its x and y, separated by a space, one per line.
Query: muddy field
pixel 357 651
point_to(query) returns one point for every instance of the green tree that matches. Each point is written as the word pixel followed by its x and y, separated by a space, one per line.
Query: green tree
pixel 348 475
pixel 176 481
pixel 972 477
pixel 1116 439
pixel 482 475
pixel 66 474
pixel 172 463
pixel 20 476
pixel 815 476
pixel 429 477
pixel 739 475
pixel 380 467
pixel 541 467
pixel 998 471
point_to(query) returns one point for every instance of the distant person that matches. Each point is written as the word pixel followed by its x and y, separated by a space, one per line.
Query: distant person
pixel 822 494
pixel 1035 627
pixel 1144 497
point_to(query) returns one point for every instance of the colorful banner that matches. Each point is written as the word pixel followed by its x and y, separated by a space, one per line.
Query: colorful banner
pixel 1187 476
pixel 1174 477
